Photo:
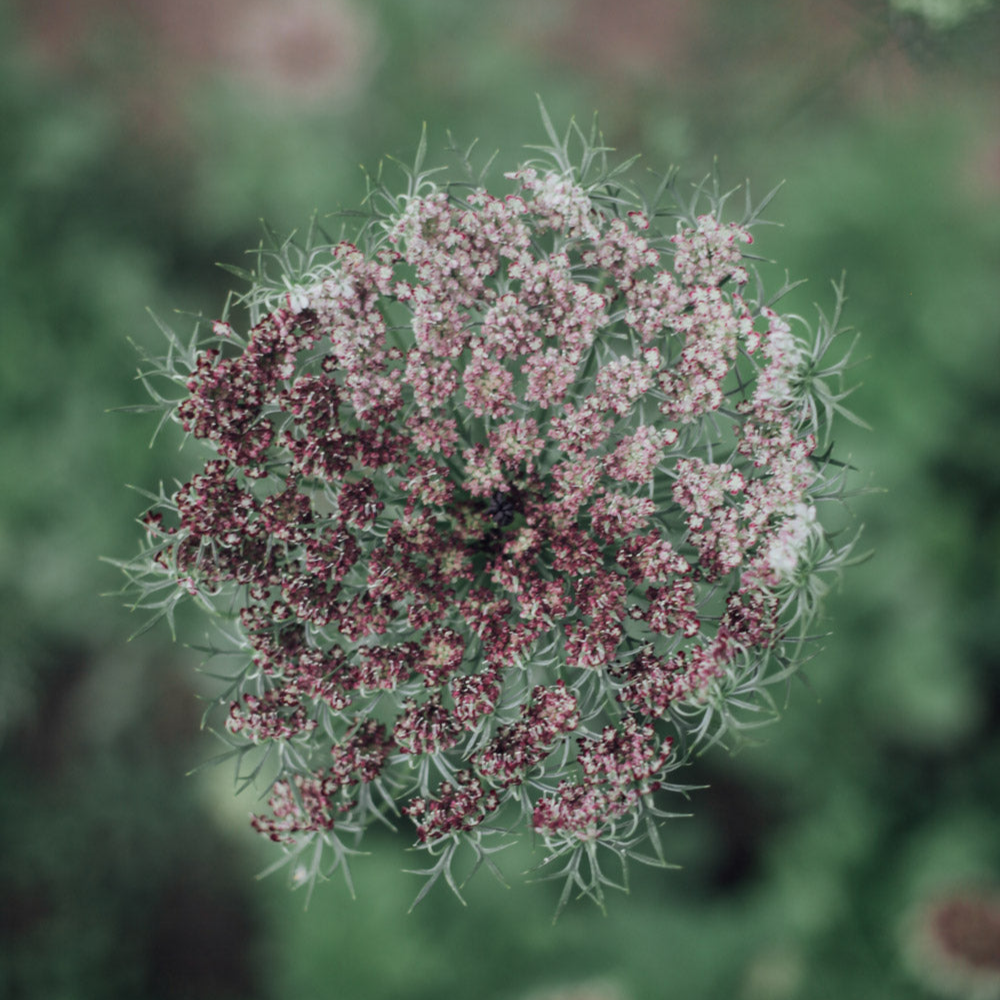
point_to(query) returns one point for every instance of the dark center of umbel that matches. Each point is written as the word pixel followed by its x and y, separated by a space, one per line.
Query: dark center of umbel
pixel 502 508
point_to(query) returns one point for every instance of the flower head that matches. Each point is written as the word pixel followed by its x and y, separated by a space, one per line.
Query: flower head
pixel 508 494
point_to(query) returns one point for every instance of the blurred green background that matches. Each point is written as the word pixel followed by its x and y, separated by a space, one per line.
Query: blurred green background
pixel 140 143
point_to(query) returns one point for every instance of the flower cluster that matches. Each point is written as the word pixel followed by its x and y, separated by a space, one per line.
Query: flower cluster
pixel 502 498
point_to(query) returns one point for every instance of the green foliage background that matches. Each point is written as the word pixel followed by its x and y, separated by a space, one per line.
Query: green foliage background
pixel 131 161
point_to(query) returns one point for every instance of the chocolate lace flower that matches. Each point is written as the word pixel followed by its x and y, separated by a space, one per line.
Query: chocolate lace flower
pixel 509 505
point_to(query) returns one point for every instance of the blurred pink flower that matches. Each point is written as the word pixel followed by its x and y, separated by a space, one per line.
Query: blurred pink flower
pixel 953 943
